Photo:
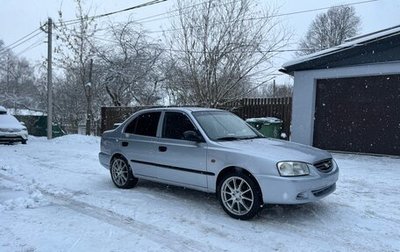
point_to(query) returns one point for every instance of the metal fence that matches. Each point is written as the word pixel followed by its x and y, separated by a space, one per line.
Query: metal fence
pixel 244 108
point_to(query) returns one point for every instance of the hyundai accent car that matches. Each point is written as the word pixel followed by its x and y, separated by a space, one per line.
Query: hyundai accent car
pixel 11 130
pixel 215 151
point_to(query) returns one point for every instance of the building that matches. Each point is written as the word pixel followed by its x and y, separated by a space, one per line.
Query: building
pixel 347 98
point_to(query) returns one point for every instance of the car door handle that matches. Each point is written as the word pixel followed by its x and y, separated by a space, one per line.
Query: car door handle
pixel 124 144
pixel 162 148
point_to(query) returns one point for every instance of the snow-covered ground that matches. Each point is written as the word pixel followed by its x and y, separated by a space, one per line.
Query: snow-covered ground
pixel 54 196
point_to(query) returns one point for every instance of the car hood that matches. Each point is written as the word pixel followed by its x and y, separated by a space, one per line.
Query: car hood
pixel 10 122
pixel 277 150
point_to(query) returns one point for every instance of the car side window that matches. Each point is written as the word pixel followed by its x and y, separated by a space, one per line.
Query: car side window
pixel 175 124
pixel 144 124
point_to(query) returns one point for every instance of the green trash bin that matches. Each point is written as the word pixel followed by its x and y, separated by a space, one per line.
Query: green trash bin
pixel 268 126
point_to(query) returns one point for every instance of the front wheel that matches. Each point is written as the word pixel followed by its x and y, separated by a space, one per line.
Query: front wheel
pixel 239 196
pixel 121 173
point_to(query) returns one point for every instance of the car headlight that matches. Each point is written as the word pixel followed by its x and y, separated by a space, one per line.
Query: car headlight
pixel 290 169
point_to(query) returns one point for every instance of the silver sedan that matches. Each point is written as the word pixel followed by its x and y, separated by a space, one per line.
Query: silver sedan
pixel 215 151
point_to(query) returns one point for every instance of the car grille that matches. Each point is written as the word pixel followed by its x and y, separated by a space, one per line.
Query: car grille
pixel 9 130
pixel 7 139
pixel 324 165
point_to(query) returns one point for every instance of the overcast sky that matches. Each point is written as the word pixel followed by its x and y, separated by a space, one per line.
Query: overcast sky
pixel 20 17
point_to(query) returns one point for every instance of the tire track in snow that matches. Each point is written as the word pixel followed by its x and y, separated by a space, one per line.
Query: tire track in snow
pixel 166 238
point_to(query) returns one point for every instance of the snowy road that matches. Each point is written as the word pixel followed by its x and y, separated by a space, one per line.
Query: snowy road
pixel 54 196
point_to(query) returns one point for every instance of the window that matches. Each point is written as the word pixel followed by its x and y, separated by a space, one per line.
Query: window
pixel 221 124
pixel 175 124
pixel 145 124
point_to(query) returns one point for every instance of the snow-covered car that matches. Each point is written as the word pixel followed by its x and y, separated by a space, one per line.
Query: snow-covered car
pixel 215 151
pixel 11 130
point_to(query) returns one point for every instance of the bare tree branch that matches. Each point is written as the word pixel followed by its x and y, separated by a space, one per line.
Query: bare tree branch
pixel 219 47
pixel 330 29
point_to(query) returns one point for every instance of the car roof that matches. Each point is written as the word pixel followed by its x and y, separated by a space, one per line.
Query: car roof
pixel 185 109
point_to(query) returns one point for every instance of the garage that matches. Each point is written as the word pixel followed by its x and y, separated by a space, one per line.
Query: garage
pixel 347 98
pixel 356 114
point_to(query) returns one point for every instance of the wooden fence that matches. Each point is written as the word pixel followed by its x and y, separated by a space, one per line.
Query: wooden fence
pixel 264 107
pixel 244 108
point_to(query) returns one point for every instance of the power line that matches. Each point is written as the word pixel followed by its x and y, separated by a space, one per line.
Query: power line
pixel 140 21
pixel 21 41
pixel 324 8
pixel 175 10
pixel 77 20
pixel 32 46
pixel 36 32
pixel 190 6
pixel 278 15
pixel 21 38
pixel 130 8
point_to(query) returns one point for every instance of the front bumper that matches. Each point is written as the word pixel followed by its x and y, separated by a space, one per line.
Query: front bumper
pixel 8 137
pixel 104 160
pixel 297 190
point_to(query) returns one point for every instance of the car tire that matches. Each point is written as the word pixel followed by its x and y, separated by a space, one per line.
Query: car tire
pixel 24 141
pixel 121 173
pixel 239 195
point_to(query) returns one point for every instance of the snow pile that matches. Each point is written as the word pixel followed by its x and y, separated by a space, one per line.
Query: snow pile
pixel 76 139
pixel 34 199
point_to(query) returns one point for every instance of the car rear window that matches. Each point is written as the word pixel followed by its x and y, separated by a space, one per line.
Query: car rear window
pixel 145 124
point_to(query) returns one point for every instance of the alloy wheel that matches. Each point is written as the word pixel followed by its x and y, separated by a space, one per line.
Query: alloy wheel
pixel 119 172
pixel 237 195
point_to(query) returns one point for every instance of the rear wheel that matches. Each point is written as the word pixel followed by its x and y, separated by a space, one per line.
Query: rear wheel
pixel 239 195
pixel 121 173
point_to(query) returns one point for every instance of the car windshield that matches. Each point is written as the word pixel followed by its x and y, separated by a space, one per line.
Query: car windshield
pixel 9 121
pixel 224 126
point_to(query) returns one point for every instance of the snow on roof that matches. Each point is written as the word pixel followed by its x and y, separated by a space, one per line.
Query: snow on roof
pixel 25 112
pixel 351 42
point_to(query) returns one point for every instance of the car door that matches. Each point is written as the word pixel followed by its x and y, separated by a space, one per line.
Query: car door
pixel 139 143
pixel 179 160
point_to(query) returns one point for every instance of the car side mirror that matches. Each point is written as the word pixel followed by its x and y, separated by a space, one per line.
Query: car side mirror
pixel 116 125
pixel 191 135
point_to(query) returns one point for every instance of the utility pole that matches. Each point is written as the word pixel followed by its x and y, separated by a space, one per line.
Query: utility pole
pixel 89 100
pixel 49 80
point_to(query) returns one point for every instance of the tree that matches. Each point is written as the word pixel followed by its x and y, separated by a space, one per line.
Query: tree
pixel 274 90
pixel 330 29
pixel 74 55
pixel 221 50
pixel 17 81
pixel 130 66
